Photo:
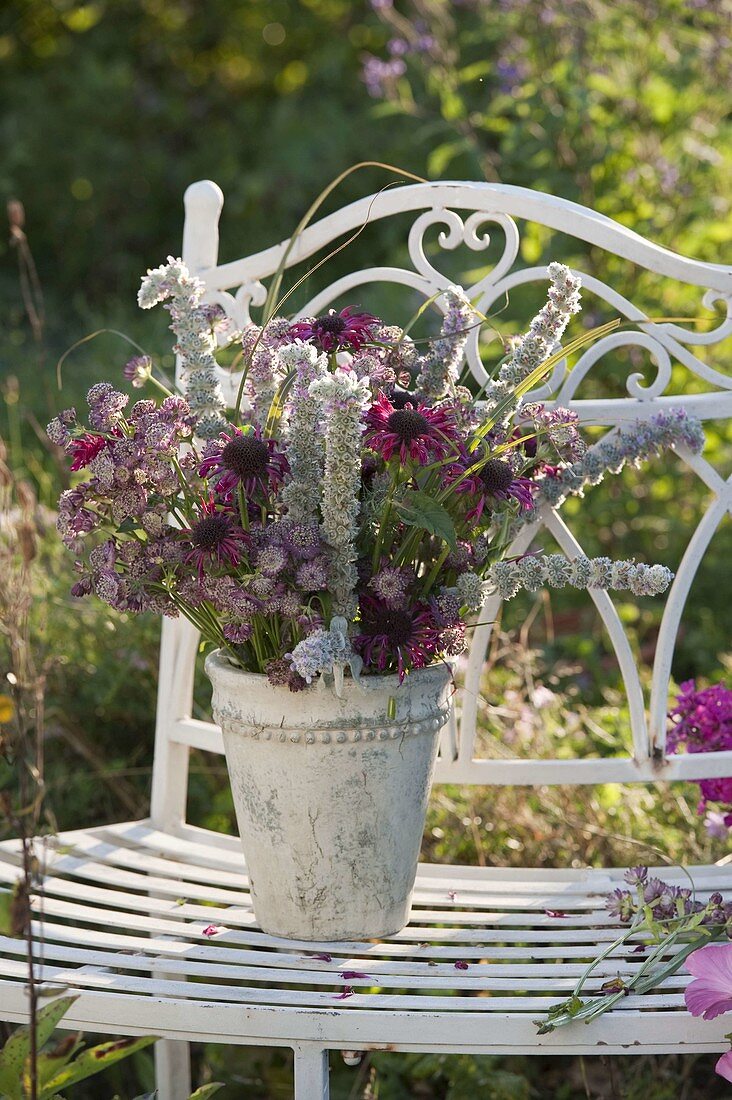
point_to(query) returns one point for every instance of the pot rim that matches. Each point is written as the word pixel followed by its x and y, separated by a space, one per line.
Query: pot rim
pixel 218 661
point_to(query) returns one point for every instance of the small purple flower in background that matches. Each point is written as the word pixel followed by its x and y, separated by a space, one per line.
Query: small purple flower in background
pixel 348 991
pixel 460 965
pixel 379 76
pixel 417 432
pixel 348 974
pixel 346 329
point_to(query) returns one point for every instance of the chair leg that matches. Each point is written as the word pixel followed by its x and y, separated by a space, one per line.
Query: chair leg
pixel 311 1073
pixel 172 1070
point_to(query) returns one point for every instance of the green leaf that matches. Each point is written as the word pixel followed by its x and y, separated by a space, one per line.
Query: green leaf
pixel 50 1062
pixel 16 1051
pixel 97 1059
pixel 418 509
pixel 206 1090
pixel 6 913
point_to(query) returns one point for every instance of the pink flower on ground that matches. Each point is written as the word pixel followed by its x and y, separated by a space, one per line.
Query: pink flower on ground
pixel 460 965
pixel 348 974
pixel 211 930
pixel 711 994
pixel 347 992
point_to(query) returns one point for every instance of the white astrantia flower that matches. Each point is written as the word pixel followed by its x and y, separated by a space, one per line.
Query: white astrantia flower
pixel 532 572
pixel 345 398
pixel 326 652
pixel 546 330
pixel 440 367
pixel 470 589
pixel 196 342
pixel 304 431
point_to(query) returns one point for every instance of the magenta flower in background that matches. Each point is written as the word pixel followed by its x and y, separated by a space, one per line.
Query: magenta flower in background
pixel 416 431
pixel 346 329
pixel 711 994
pixel 701 721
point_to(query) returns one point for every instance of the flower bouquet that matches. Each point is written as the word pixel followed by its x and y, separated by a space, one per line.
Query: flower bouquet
pixel 332 538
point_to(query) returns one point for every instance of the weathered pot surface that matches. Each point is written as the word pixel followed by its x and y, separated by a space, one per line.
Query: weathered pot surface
pixel 330 795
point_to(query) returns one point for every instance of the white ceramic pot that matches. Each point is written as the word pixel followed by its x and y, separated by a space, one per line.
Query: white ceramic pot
pixel 330 795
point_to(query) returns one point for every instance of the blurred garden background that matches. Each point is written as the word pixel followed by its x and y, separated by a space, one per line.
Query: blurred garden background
pixel 109 110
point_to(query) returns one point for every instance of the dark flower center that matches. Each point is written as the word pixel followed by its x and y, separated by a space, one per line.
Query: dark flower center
pixel 333 324
pixel 210 532
pixel 407 424
pixel 246 456
pixel 394 625
pixel 496 475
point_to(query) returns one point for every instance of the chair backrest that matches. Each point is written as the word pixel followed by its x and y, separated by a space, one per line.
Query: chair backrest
pixel 462 212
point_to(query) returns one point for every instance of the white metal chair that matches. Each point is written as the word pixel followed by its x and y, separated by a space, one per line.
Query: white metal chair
pixel 125 906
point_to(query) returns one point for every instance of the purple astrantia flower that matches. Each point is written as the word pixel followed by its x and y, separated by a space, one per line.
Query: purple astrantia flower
pixel 495 480
pixel 281 673
pixel 391 584
pixel 215 538
pixel 346 329
pixel 711 994
pixel 416 432
pixel 243 458
pixel 138 370
pixel 399 638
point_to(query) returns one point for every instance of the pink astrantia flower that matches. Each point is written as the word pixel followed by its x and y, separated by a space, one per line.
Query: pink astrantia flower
pixel 416 432
pixel 346 329
pixel 711 994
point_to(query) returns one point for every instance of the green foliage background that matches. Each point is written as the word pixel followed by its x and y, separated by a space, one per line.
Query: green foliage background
pixel 111 108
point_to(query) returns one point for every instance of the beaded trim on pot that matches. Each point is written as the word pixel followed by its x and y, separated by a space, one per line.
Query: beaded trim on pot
pixel 233 721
